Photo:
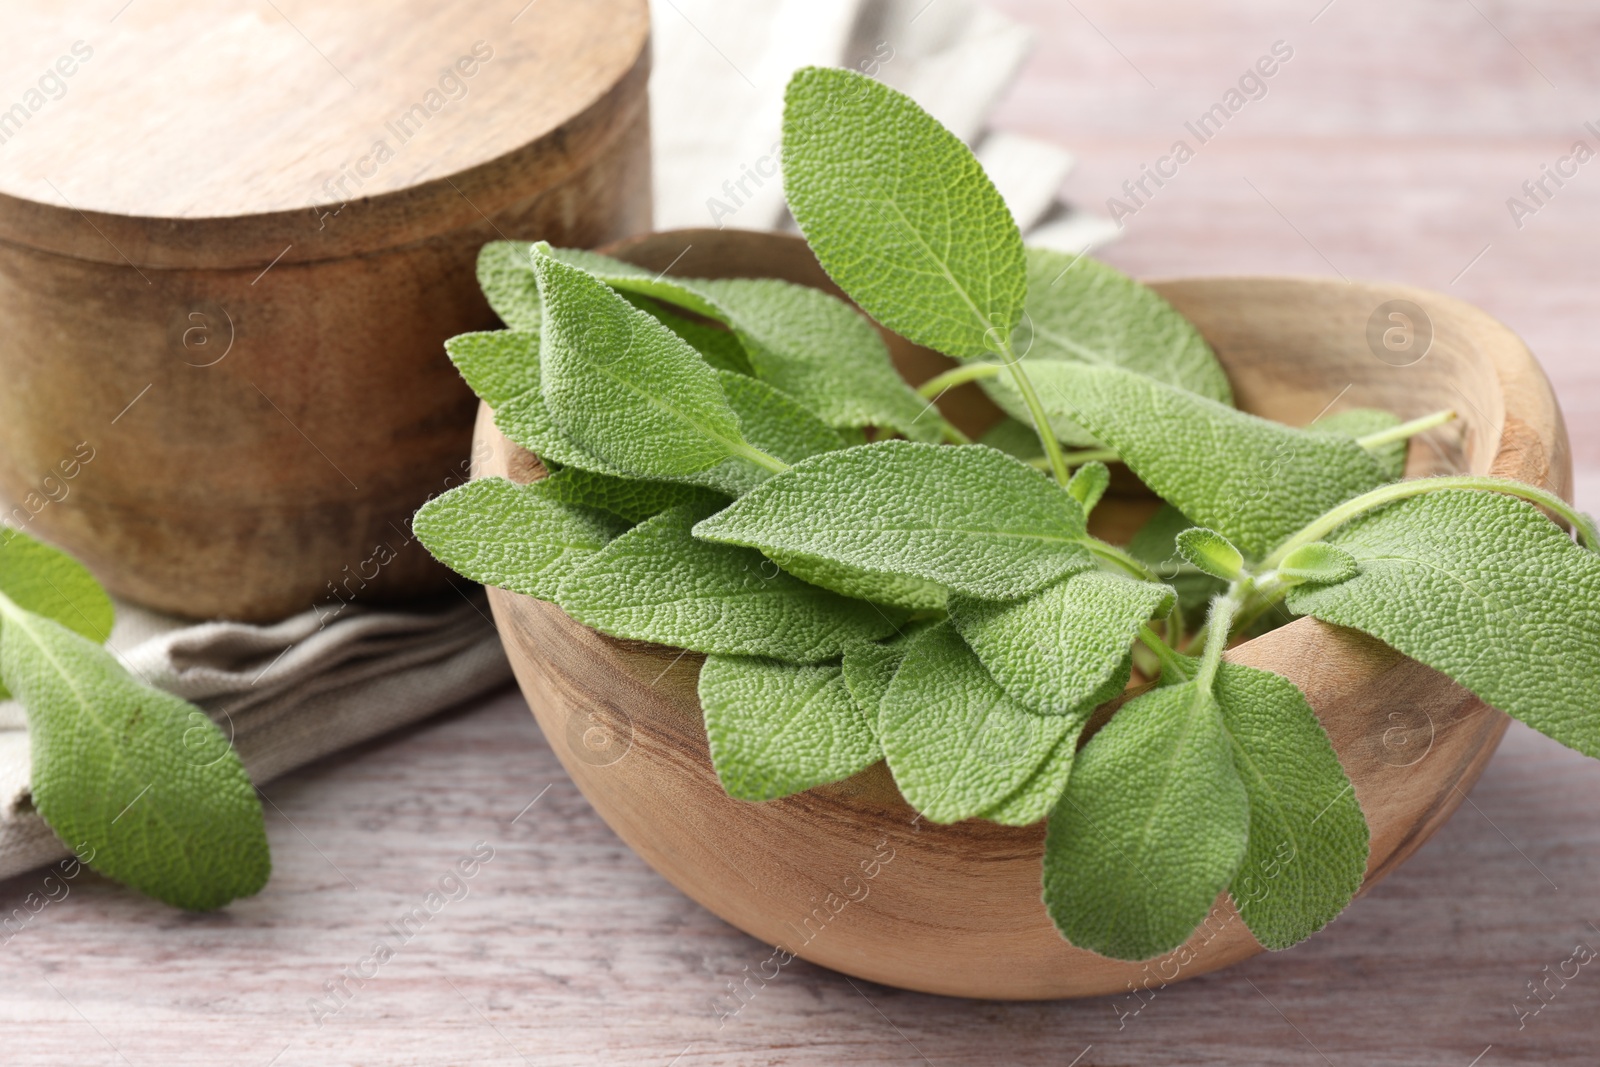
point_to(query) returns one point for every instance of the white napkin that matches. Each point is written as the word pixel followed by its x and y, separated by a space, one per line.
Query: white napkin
pixel 716 102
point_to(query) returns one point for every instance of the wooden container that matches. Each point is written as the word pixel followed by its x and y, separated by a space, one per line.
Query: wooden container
pixel 232 241
pixel 847 875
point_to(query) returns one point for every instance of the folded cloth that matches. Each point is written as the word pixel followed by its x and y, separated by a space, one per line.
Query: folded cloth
pixel 716 102
pixel 286 694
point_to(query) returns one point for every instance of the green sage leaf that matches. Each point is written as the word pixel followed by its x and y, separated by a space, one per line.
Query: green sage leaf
pixel 657 583
pixel 900 213
pixel 140 778
pixel 778 729
pixel 966 517
pixel 1151 828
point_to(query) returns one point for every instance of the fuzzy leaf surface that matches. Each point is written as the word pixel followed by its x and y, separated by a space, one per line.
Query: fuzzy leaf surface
pixel 1252 480
pixel 1484 588
pixel 778 728
pixel 1359 422
pixel 631 499
pixel 966 517
pixel 1307 851
pixel 900 213
pixel 658 583
pixel 1056 651
pixel 505 274
pixel 47 581
pixel 623 386
pixel 516 537
pixel 1151 828
pixel 957 744
pixel 1083 311
pixel 140 777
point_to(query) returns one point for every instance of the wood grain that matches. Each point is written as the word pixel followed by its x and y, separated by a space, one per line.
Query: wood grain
pixel 255 370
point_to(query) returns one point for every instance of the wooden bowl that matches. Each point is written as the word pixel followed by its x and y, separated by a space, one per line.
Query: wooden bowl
pixel 847 875
pixel 222 302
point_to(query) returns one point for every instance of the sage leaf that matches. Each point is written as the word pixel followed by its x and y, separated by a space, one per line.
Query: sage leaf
pixel 956 743
pixel 772 422
pixel 900 213
pixel 1307 850
pixel 520 538
pixel 1084 311
pixel 1156 543
pixel 631 499
pixel 1252 480
pixel 48 582
pixel 778 728
pixel 913 594
pixel 1014 437
pixel 1059 651
pixel 822 352
pixel 1151 828
pixel 502 368
pixel 505 274
pixel 623 386
pixel 1034 798
pixel 1080 310
pixel 868 669
pixel 717 346
pixel 1317 562
pixel 800 340
pixel 1484 588
pixel 1359 422
pixel 965 517
pixel 657 583
pixel 1210 552
pixel 140 777
pixel 498 365
pixel 1089 483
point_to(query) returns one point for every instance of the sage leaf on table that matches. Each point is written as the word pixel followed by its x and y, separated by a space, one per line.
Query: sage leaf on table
pixel 1252 480
pixel 1153 825
pixel 657 583
pixel 626 388
pixel 141 780
pixel 1485 589
pixel 1307 849
pixel 777 728
pixel 48 582
pixel 517 537
pixel 900 214
pixel 1063 650
pixel 956 743
pixel 965 517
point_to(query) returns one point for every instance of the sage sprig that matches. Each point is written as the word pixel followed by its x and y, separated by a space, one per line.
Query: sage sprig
pixel 944 607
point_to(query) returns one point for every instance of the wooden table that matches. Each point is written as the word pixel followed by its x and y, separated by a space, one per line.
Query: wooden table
pixel 1386 148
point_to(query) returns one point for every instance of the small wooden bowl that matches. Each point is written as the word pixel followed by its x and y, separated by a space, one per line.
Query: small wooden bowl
pixel 231 246
pixel 847 875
